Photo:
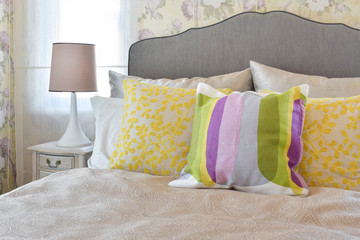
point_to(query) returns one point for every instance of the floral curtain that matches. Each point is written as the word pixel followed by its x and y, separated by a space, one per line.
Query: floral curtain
pixel 167 17
pixel 7 116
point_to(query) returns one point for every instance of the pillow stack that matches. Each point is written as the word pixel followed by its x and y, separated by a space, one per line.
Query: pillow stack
pixel 109 117
pixel 216 133
pixel 331 134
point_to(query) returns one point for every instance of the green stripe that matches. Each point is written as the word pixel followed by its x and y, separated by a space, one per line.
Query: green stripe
pixel 268 138
pixel 202 113
pixel 282 177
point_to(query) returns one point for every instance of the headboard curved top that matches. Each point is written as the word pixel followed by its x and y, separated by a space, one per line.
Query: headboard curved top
pixel 278 39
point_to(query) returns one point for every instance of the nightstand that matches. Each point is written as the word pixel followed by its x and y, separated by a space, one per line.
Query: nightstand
pixel 47 158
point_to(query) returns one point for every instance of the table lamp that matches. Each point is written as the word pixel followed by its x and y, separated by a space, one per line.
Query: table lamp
pixel 73 69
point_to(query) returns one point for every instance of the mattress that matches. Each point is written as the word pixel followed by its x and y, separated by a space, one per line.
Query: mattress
pixel 114 204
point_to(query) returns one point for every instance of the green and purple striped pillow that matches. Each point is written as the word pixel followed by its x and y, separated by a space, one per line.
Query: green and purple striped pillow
pixel 247 141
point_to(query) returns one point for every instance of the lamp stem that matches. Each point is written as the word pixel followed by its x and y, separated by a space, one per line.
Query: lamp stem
pixel 74 135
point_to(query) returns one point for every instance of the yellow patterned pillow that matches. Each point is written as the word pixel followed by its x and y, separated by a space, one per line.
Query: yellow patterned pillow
pixel 156 129
pixel 331 140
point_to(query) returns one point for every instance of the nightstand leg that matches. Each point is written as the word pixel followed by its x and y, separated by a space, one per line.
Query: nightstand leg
pixel 34 166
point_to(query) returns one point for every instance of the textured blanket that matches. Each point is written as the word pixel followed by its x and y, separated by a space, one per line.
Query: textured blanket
pixel 114 204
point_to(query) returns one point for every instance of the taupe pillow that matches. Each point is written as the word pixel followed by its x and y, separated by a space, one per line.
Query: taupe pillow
pixel 278 80
pixel 237 81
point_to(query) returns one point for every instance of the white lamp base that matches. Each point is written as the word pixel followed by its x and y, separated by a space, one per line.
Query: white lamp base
pixel 74 135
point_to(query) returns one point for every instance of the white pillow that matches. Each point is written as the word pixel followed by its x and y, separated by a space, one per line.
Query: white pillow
pixel 278 80
pixel 108 117
pixel 237 81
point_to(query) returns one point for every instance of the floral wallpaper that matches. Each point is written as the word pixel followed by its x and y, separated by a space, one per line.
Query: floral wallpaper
pixel 167 17
pixel 7 113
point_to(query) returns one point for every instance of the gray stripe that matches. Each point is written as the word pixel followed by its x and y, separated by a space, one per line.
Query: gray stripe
pixel 247 172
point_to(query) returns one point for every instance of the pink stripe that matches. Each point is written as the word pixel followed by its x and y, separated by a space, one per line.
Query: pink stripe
pixel 229 138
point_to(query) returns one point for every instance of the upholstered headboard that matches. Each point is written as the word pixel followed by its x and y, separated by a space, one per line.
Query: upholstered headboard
pixel 277 39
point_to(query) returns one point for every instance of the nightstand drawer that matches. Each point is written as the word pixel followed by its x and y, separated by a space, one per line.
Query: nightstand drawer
pixel 48 158
pixel 43 174
pixel 56 162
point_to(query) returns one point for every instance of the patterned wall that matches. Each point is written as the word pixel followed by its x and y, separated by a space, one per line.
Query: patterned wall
pixel 167 17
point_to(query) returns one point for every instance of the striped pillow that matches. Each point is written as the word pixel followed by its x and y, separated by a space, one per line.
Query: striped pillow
pixel 248 141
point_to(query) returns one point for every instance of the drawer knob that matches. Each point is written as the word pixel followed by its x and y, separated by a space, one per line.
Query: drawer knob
pixel 57 163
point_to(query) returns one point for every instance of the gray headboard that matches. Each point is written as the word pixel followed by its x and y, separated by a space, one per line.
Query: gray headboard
pixel 277 39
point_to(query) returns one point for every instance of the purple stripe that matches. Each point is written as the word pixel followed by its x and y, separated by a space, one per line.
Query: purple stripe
pixel 212 139
pixel 295 149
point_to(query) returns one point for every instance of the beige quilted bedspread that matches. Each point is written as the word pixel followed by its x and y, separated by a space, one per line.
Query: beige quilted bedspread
pixel 113 204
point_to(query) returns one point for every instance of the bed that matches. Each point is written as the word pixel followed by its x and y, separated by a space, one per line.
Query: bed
pixel 90 203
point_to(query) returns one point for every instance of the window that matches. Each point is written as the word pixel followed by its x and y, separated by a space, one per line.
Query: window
pixel 105 23
pixel 42 115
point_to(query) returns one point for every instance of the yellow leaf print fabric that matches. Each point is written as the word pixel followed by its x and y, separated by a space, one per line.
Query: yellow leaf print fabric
pixel 331 140
pixel 156 129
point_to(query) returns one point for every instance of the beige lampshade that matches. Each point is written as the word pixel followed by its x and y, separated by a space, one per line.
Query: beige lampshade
pixel 73 68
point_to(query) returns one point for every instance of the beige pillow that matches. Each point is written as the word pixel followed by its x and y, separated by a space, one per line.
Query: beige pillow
pixel 237 81
pixel 278 80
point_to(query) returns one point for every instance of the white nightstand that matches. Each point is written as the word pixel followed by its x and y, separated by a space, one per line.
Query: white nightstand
pixel 47 158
